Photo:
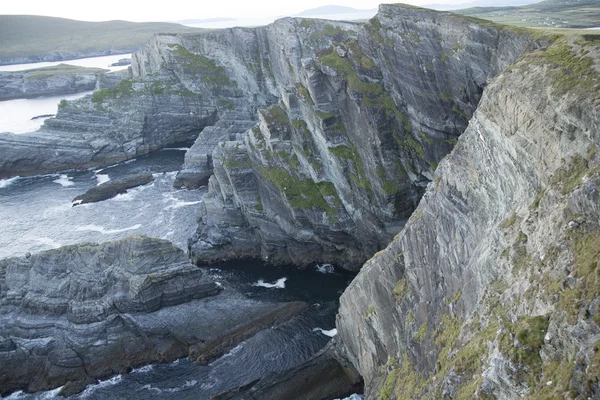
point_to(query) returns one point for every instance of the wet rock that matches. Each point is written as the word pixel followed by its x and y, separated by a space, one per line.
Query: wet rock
pixel 86 312
pixel 110 189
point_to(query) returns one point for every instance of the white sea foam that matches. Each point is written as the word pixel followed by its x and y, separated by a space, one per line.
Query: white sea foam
pixel 129 196
pixel 176 149
pixel 104 231
pixel 186 385
pixel 278 284
pixel 102 178
pixel 7 182
pixel 325 268
pixel 353 397
pixel 64 181
pixel 330 333
pixel 51 394
pixel 49 242
pixel 141 370
pixel 179 203
pixel 101 384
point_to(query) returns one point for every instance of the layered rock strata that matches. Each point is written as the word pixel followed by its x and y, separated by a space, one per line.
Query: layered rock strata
pixel 85 312
pixel 492 288
pixel 345 140
pixel 331 171
pixel 58 80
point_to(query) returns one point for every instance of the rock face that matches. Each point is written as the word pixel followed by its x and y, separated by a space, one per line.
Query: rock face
pixel 492 288
pixel 117 123
pixel 85 312
pixel 343 140
pixel 62 79
pixel 332 170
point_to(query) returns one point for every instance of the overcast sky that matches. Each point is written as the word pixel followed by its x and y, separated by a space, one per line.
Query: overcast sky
pixel 173 10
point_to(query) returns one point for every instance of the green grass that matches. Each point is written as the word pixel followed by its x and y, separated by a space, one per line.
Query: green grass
pixel 36 36
pixel 563 14
pixel 60 69
pixel 302 194
pixel 202 67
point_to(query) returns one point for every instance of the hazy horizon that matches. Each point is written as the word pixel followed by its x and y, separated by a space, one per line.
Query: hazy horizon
pixel 180 10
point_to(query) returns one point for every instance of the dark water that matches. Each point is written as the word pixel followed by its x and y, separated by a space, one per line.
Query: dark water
pixel 37 214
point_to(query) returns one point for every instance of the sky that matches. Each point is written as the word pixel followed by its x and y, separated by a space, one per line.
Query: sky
pixel 174 10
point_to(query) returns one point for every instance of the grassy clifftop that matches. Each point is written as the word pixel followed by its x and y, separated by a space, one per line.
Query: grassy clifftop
pixel 549 13
pixel 35 37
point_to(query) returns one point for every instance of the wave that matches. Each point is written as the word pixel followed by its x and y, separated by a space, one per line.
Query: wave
pixel 101 384
pixel 175 149
pixel 7 182
pixel 142 370
pixel 325 268
pixel 186 385
pixel 104 231
pixel 48 242
pixel 330 333
pixel 354 396
pixel 102 178
pixel 278 284
pixel 64 181
pixel 179 203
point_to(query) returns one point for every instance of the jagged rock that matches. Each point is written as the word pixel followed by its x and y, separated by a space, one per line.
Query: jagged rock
pixel 321 377
pixel 332 170
pixel 488 282
pixel 90 311
pixel 58 80
pixel 110 189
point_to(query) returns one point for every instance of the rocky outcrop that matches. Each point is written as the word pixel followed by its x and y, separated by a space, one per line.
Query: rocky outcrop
pixel 124 121
pixel 50 81
pixel 491 289
pixel 343 143
pixel 108 190
pixel 332 170
pixel 85 312
pixel 321 377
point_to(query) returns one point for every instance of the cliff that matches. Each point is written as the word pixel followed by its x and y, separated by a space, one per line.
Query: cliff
pixel 332 170
pixel 81 313
pixel 327 136
pixel 491 290
pixel 58 80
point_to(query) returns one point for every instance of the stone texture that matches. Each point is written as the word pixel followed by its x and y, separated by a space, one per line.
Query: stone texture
pixel 488 288
pixel 85 312
pixel 108 190
pixel 40 82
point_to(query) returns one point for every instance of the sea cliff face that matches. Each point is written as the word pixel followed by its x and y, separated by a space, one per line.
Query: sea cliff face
pixel 331 171
pixel 327 139
pixel 491 289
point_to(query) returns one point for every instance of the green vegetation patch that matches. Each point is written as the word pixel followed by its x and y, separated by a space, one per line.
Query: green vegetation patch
pixel 569 70
pixel 352 158
pixel 303 194
pixel 275 115
pixel 60 69
pixel 203 67
pixel 36 36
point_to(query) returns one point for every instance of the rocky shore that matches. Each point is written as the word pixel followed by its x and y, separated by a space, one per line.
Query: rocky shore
pixel 50 81
pixel 80 313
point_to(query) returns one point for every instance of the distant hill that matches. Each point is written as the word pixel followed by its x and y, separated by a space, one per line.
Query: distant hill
pixel 30 38
pixel 481 3
pixel 204 21
pixel 548 13
pixel 330 9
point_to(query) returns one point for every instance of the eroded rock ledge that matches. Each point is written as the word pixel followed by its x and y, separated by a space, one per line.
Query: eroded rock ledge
pixel 85 312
